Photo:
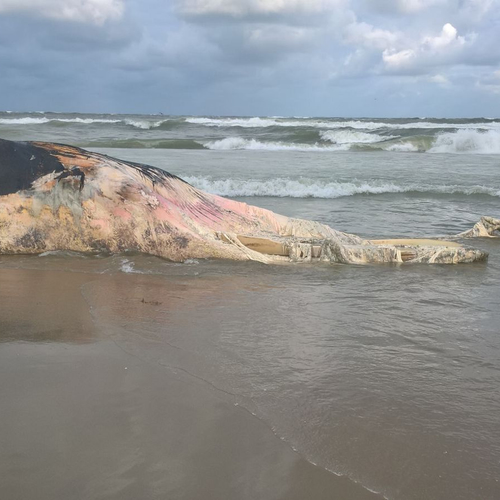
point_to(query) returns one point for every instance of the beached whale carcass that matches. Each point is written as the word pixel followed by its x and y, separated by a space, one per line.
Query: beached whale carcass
pixel 57 197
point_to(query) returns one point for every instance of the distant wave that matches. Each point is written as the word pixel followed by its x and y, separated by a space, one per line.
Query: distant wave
pixel 461 136
pixel 403 147
pixel 256 122
pixel 468 141
pixel 147 125
pixel 307 188
pixel 28 120
pixel 353 137
pixel 241 143
pixel 458 142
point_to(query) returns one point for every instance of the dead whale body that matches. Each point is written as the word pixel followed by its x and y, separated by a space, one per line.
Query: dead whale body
pixel 56 197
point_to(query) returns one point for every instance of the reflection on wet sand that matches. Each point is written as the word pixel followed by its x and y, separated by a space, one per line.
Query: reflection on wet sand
pixel 91 420
pixel 42 306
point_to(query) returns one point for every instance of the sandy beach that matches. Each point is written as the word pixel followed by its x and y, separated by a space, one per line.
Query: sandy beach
pixel 85 416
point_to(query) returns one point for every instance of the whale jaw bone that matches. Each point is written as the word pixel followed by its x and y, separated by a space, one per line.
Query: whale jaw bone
pixel 377 251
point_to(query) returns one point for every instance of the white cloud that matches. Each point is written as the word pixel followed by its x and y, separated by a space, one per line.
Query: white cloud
pixel 448 36
pixel 242 8
pixel 369 36
pixel 85 11
pixel 278 36
pixel 411 6
pixel 398 59
pixel 440 80
pixel 403 6
pixel 442 49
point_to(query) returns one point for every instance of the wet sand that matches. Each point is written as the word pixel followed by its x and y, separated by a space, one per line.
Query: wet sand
pixel 82 418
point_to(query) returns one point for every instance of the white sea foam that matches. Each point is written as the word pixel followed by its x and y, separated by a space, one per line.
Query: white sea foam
pixel 307 188
pixel 467 141
pixel 63 253
pixel 353 137
pixel 127 267
pixel 23 121
pixel 406 147
pixel 257 122
pixel 252 144
pixel 233 122
pixel 28 120
pixel 86 121
pixel 144 124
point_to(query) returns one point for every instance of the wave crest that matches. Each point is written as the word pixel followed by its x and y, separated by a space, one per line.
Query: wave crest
pixel 307 188
pixel 253 144
pixel 28 120
pixel 467 141
pixel 258 122
pixel 145 124
pixel 353 137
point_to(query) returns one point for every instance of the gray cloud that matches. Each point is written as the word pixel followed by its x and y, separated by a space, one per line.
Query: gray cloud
pixel 83 11
pixel 252 9
pixel 251 56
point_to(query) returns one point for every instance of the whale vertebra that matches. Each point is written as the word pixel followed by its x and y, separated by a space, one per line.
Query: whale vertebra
pixel 57 197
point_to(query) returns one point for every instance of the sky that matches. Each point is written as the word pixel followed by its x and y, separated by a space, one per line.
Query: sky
pixel 355 58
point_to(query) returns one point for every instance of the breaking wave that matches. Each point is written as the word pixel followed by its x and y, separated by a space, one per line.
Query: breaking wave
pixel 467 141
pixel 249 144
pixel 410 135
pixel 307 188
pixel 143 124
pixel 403 147
pixel 257 122
pixel 353 137
pixel 28 120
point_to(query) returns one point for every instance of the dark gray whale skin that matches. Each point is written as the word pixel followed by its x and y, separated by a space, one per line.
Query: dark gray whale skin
pixel 18 171
pixel 58 197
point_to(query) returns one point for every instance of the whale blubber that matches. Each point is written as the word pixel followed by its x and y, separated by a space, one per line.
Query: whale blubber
pixel 407 246
pixel 264 245
pixel 404 245
pixel 402 242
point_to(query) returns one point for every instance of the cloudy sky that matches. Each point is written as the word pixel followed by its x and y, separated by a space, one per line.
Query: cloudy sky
pixel 252 57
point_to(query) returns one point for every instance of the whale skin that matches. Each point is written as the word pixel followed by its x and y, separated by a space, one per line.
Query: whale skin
pixel 59 197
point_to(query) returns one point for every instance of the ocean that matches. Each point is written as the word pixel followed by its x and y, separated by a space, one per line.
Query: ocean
pixel 386 375
pixel 473 136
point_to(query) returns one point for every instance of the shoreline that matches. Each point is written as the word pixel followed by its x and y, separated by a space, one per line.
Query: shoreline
pixel 85 419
